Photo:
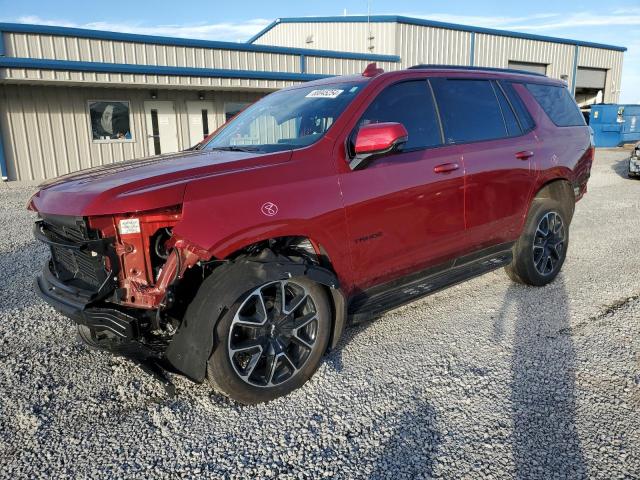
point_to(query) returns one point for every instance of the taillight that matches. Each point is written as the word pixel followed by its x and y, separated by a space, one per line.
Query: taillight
pixel 590 153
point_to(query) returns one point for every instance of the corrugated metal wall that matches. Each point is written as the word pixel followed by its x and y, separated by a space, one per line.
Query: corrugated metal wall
pixel 348 37
pixel 413 43
pixel 418 45
pixel 31 45
pixel 494 51
pixel 607 59
pixel 32 76
pixel 343 67
pixel 45 128
pixel 47 132
pixel 39 46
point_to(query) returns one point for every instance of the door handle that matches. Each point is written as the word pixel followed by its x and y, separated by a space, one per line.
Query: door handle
pixel 524 155
pixel 446 167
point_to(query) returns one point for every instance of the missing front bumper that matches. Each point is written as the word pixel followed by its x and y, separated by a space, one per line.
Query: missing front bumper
pixel 106 329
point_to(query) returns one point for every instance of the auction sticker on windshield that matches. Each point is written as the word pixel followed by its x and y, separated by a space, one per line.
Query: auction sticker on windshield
pixel 323 93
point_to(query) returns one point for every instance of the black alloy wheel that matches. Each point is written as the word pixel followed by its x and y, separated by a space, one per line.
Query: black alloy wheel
pixel 548 243
pixel 273 333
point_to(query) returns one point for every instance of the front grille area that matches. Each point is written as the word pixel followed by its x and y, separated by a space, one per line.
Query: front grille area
pixel 82 268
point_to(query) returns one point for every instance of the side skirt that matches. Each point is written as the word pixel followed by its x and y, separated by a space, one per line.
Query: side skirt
pixel 388 296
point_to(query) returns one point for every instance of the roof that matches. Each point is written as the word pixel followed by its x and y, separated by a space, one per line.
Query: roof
pixel 430 23
pixel 500 72
pixel 184 42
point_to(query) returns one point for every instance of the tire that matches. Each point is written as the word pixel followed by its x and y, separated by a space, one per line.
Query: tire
pixel 257 333
pixel 547 226
pixel 631 174
pixel 85 335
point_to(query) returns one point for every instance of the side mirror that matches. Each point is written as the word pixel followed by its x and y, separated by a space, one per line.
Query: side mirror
pixel 377 139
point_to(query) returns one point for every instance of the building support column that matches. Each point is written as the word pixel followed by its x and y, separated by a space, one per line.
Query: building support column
pixel 575 70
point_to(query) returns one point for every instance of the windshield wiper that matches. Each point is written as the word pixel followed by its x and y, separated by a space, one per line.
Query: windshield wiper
pixel 237 148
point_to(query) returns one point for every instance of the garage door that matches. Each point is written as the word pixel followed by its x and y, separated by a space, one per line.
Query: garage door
pixel 529 67
pixel 591 78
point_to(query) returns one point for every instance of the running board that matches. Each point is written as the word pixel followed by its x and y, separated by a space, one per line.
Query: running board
pixel 392 295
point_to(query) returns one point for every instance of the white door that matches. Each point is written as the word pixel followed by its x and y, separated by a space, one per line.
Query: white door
pixel 162 130
pixel 201 120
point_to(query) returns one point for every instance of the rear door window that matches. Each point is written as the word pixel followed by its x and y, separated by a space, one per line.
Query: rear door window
pixel 557 103
pixel 411 104
pixel 469 110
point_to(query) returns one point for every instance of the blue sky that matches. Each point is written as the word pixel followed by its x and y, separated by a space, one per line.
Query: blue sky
pixel 613 22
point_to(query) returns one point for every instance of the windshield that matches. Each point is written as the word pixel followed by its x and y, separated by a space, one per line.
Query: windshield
pixel 286 119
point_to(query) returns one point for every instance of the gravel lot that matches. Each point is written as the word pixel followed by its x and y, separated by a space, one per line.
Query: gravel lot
pixel 485 380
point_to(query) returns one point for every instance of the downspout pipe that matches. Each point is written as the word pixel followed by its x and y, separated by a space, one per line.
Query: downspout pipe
pixel 3 159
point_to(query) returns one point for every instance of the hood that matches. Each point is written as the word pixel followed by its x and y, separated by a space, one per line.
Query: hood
pixel 139 185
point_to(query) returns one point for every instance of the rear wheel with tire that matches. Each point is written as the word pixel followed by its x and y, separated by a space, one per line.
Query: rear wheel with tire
pixel 539 253
pixel 271 341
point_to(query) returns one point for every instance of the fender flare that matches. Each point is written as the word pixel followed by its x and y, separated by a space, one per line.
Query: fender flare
pixel 194 341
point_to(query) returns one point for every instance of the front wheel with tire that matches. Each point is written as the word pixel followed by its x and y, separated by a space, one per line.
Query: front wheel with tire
pixel 539 253
pixel 271 341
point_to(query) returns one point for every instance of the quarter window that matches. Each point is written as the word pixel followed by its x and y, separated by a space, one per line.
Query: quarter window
pixel 411 104
pixel 468 109
pixel 510 120
pixel 557 104
pixel 516 102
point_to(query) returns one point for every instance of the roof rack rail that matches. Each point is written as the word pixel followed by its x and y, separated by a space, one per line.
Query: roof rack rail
pixel 464 67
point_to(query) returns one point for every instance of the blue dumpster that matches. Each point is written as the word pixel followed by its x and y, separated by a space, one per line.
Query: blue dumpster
pixel 614 124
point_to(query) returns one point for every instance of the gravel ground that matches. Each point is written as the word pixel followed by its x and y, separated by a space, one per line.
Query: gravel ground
pixel 485 380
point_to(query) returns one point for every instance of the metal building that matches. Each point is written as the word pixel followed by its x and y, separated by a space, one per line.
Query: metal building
pixel 587 67
pixel 74 98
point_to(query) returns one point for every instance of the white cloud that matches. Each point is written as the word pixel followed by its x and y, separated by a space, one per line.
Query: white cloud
pixel 581 20
pixel 484 21
pixel 543 21
pixel 235 32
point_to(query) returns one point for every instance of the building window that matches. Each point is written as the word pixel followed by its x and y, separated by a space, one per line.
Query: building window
pixel 110 121
pixel 231 109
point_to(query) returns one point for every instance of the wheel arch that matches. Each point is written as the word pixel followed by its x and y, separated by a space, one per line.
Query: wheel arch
pixel 319 255
pixel 559 189
pixel 194 341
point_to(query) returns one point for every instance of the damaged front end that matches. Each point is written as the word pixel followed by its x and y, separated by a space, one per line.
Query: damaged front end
pixel 124 279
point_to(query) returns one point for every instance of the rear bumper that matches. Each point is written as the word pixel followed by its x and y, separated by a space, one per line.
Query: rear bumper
pixel 634 166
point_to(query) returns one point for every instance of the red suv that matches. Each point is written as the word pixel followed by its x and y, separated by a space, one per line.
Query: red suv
pixel 242 260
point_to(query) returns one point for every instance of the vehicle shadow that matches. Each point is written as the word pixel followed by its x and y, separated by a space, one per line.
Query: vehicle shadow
pixel 334 358
pixel 545 438
pixel 413 447
pixel 621 167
